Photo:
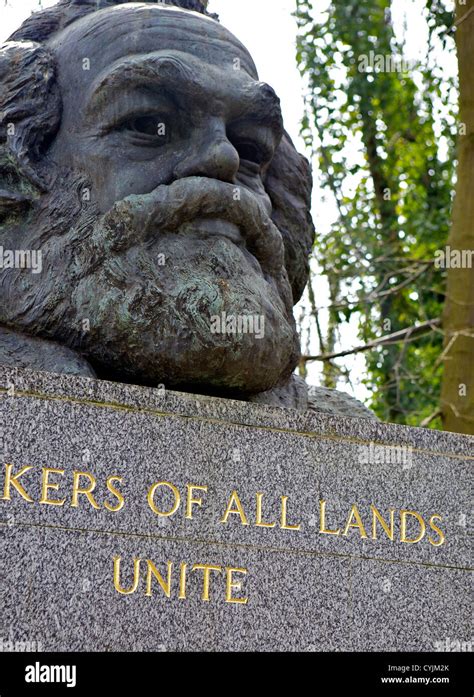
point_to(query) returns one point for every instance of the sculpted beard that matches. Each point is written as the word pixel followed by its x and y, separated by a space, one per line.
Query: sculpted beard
pixel 104 290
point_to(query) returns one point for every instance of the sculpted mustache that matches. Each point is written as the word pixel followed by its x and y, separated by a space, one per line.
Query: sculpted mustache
pixel 138 218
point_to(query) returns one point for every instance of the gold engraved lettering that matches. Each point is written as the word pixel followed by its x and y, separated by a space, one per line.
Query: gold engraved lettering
pixel 151 502
pixel 322 522
pixel 47 485
pixel 207 568
pixel 436 529
pixel 117 494
pixel 260 523
pixel 357 524
pixel 182 581
pixel 232 585
pixel 13 480
pixel 403 527
pixel 166 585
pixel 136 577
pixel 234 500
pixel 376 516
pixel 284 520
pixel 84 490
pixel 190 500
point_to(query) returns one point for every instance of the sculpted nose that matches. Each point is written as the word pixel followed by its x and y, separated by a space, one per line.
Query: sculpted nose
pixel 216 158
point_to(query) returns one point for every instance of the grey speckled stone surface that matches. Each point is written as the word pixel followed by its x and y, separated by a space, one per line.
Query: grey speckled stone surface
pixel 305 590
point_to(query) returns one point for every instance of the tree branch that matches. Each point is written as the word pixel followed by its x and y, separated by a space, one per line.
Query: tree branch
pixel 388 339
pixel 426 422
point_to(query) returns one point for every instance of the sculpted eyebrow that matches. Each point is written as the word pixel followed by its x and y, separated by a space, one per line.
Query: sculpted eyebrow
pixel 259 102
pixel 135 74
pixel 109 109
pixel 265 108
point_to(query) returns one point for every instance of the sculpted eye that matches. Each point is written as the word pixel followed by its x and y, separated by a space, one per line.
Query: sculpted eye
pixel 250 152
pixel 153 130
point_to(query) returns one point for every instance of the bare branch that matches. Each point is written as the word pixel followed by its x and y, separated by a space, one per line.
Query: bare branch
pixel 464 17
pixel 407 334
pixel 426 422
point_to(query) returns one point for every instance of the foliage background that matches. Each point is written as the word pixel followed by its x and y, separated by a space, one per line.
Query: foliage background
pixel 385 141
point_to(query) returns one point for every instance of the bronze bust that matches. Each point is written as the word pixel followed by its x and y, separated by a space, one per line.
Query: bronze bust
pixel 147 168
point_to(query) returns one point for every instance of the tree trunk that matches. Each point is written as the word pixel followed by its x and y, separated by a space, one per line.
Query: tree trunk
pixel 390 228
pixel 457 396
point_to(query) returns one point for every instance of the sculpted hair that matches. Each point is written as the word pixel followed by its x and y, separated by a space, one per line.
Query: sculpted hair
pixel 30 116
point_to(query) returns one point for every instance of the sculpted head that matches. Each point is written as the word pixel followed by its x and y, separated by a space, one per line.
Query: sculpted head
pixel 142 155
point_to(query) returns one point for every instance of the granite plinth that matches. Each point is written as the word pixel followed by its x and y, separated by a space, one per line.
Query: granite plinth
pixel 122 475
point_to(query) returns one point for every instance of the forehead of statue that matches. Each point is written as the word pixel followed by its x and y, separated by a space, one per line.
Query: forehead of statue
pixel 92 43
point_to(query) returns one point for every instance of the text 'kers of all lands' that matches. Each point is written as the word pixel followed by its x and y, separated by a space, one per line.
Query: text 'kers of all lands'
pixel 80 489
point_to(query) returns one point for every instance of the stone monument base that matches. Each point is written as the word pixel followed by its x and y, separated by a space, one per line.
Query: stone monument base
pixel 144 520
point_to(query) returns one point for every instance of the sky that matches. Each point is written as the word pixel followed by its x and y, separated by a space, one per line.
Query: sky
pixel 268 29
